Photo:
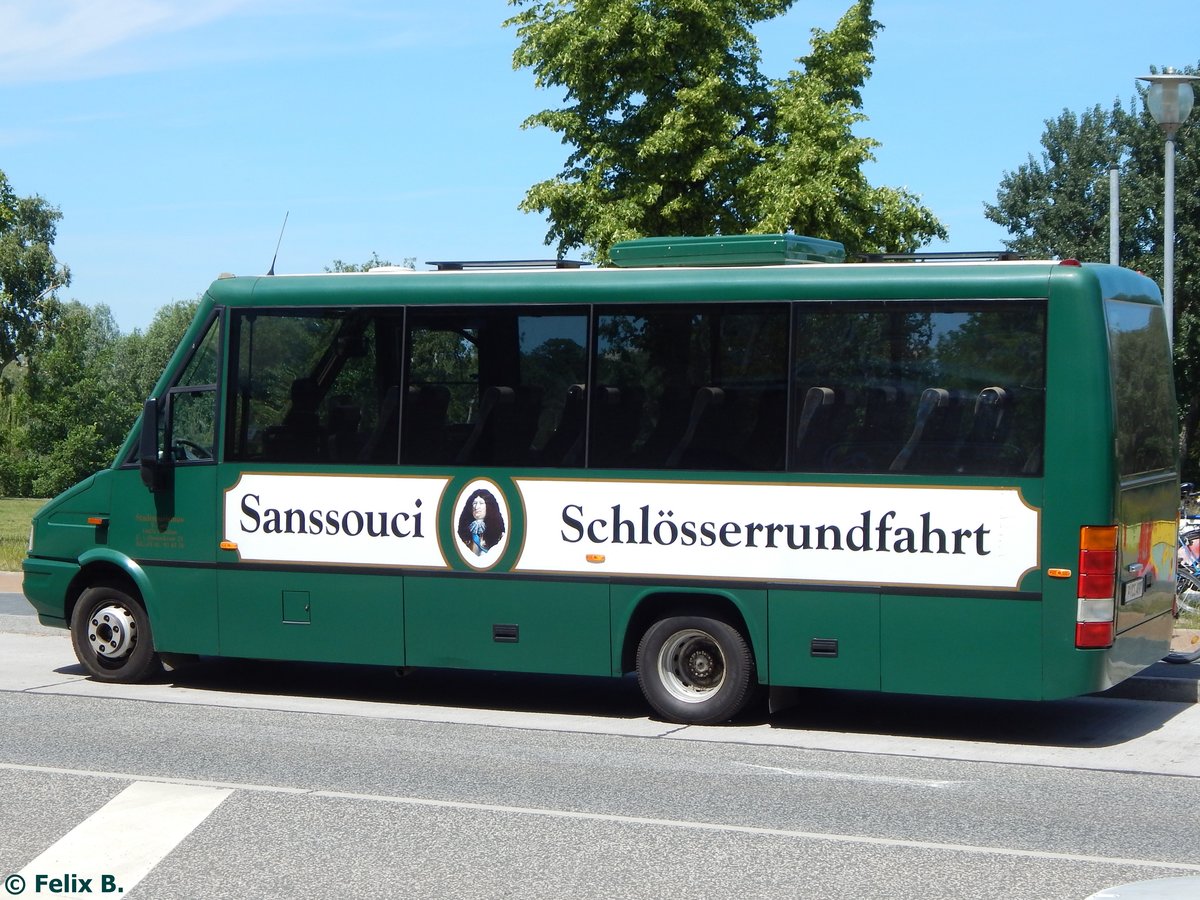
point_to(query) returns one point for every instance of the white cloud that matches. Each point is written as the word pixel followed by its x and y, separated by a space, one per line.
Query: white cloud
pixel 74 40
pixel 53 40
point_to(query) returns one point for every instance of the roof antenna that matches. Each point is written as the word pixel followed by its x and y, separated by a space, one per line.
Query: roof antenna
pixel 271 271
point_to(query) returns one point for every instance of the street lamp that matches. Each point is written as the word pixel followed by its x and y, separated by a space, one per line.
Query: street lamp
pixel 1169 100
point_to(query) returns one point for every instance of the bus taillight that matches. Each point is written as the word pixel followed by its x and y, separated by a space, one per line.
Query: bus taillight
pixel 1094 623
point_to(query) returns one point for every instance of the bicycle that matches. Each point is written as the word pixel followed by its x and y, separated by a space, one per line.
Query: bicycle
pixel 1187 565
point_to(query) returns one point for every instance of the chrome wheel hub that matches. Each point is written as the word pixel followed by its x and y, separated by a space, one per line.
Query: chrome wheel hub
pixel 691 666
pixel 112 632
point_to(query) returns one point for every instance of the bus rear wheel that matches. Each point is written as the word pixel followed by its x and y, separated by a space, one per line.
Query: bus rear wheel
pixel 695 670
pixel 110 632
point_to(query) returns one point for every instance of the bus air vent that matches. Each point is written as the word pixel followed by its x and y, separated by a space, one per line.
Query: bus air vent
pixel 827 647
pixel 506 634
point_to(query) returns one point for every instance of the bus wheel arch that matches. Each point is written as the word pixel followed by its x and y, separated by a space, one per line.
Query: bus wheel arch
pixel 110 630
pixel 693 657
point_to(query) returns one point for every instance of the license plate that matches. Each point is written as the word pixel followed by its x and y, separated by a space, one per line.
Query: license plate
pixel 1134 590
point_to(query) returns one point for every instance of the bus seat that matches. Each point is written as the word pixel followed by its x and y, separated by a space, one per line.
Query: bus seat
pixel 886 416
pixel 672 413
pixel 872 445
pixel 1033 462
pixel 564 446
pixel 984 442
pixel 508 438
pixel 616 416
pixel 298 438
pixel 991 415
pixel 381 445
pixel 765 444
pixel 702 430
pixel 423 423
pixel 504 426
pixel 812 426
pixel 343 441
pixel 932 406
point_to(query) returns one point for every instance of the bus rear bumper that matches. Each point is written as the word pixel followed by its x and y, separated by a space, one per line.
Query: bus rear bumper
pixel 1138 648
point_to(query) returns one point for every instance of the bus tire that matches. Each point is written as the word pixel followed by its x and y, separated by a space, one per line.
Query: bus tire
pixel 694 670
pixel 110 632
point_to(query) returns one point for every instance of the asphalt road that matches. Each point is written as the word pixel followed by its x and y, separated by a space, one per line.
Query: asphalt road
pixel 14 605
pixel 285 780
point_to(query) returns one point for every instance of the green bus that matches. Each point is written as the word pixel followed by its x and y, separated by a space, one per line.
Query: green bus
pixel 726 464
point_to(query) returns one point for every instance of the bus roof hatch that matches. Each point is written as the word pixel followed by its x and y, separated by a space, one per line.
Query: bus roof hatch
pixel 726 250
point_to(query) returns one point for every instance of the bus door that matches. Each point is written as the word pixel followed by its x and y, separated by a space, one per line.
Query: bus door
pixel 170 521
pixel 1148 489
pixel 314 523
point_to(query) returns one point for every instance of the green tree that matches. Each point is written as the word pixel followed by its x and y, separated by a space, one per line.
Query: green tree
pixel 810 179
pixel 80 403
pixel 17 465
pixel 676 131
pixel 67 405
pixel 29 273
pixel 375 262
pixel 1057 205
pixel 146 354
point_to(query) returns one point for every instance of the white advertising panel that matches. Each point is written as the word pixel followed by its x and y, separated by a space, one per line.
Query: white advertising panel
pixel 941 537
pixel 383 520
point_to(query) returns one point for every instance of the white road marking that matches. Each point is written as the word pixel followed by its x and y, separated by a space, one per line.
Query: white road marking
pixel 720 827
pixel 822 775
pixel 829 837
pixel 124 839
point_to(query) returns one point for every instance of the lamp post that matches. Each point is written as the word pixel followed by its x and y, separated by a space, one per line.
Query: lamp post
pixel 1169 100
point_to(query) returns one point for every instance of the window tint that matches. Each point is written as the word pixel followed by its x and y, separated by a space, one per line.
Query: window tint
pixel 315 386
pixel 1141 373
pixel 938 389
pixel 495 387
pixel 930 388
pixel 683 389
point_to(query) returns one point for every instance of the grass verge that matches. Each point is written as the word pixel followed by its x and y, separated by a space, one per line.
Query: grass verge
pixel 15 514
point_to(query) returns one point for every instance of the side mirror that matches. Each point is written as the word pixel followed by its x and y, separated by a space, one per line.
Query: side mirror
pixel 155 465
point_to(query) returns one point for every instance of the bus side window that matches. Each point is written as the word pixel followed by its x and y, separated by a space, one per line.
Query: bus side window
pixel 493 387
pixel 312 387
pixel 690 390
pixel 930 388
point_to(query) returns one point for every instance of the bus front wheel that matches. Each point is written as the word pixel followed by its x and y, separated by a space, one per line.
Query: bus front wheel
pixel 694 670
pixel 111 635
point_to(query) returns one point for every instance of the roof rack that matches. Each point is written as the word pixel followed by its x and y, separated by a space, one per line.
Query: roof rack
pixel 944 256
pixel 463 265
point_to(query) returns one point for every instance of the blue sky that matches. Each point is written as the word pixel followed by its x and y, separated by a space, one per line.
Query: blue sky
pixel 175 134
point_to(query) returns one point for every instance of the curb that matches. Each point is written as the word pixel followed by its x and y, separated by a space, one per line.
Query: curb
pixel 10 624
